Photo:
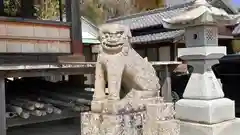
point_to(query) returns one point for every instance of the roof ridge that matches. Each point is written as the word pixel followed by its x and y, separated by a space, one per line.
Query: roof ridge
pixel 150 12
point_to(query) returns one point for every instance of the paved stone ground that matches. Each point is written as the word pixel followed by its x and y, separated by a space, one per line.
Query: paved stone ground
pixel 50 128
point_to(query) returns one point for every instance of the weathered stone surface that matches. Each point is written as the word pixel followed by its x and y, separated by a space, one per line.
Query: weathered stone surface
pixel 159 120
pixel 97 106
pixel 202 59
pixel 205 52
pixel 104 124
pixel 208 87
pixel 205 111
pixel 201 12
pixel 204 102
pixel 126 105
pixel 123 111
pixel 133 72
pixel 160 112
pixel 169 127
pixel 225 128
pixel 90 123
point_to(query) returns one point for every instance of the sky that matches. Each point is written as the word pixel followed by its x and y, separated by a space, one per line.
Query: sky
pixel 236 2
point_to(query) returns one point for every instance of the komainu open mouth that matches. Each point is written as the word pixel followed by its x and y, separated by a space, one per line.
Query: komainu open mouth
pixel 113 45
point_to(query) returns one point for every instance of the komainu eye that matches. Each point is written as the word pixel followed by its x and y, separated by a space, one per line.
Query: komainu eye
pixel 120 33
pixel 106 34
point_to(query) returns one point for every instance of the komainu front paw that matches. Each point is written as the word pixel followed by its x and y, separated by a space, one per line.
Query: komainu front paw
pixel 113 97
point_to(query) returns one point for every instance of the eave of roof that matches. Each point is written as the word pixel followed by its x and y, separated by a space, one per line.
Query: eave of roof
pixel 154 17
pixel 150 18
pixel 169 36
pixel 157 37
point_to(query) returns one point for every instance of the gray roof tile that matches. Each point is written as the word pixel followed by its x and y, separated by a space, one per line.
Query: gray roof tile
pixel 156 37
pixel 150 18
pixel 154 17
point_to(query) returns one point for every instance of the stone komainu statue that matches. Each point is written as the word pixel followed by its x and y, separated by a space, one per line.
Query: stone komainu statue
pixel 119 65
pixel 141 111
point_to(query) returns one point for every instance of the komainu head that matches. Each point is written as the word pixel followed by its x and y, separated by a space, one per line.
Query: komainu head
pixel 114 36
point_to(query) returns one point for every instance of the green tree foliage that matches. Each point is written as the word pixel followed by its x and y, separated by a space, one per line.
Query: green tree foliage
pixel 91 10
pixel 48 10
pixel 99 11
pixel 12 7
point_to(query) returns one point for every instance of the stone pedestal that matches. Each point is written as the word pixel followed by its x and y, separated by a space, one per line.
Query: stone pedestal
pixel 203 83
pixel 130 116
pixel 160 120
pixel 204 110
pixel 105 124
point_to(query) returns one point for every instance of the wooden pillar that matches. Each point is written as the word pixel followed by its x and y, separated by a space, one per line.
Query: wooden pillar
pixel 68 10
pixel 1 8
pixel 74 16
pixel 27 9
pixel 3 126
pixel 175 51
pixel 166 91
pixel 61 10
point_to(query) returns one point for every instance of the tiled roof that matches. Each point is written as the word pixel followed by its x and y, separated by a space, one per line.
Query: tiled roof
pixel 154 17
pixel 157 37
pixel 150 18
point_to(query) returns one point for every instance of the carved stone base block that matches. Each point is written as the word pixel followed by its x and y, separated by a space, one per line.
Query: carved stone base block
pixel 160 112
pixel 112 125
pixel 159 120
pixel 90 123
pixel 169 127
pixel 225 128
pixel 103 124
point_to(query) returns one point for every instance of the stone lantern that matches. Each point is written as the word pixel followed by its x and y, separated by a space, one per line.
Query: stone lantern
pixel 204 110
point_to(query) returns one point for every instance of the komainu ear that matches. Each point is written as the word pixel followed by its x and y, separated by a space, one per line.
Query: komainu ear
pixel 146 59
